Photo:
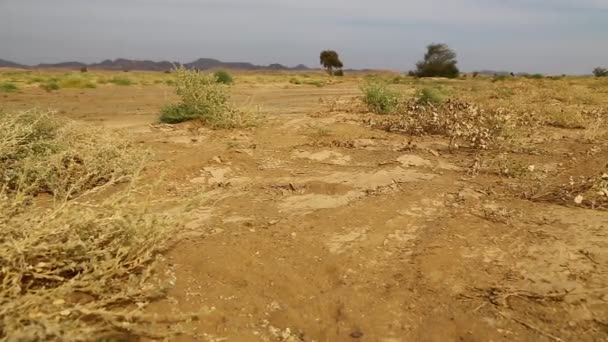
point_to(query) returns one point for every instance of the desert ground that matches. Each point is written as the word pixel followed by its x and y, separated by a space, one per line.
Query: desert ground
pixel 323 223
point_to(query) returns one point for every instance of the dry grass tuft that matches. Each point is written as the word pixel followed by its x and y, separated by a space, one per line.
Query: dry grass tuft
pixel 40 153
pixel 462 122
pixel 71 270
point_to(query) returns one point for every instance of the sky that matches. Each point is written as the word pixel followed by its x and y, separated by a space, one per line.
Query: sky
pixel 546 36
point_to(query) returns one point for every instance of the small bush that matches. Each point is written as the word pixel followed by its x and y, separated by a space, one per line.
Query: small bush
pixel 176 113
pixel 43 154
pixel 430 96
pixel 223 76
pixel 121 81
pixel 339 73
pixel 50 86
pixel 76 81
pixel 462 122
pixel 566 119
pixel 379 98
pixel 72 270
pixel 84 69
pixel 8 87
pixel 202 98
pixel 295 81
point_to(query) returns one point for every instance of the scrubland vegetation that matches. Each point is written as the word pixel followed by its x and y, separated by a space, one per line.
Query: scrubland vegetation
pixel 72 269
pixel 82 241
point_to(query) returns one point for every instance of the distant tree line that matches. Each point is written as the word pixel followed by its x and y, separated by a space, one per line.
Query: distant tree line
pixel 439 61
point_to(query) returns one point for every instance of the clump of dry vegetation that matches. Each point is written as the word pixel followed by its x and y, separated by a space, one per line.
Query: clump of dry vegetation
pixel 72 270
pixel 588 192
pixel 462 122
pixel 203 98
pixel 40 153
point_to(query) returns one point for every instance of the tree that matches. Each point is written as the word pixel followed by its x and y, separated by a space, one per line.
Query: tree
pixel 330 60
pixel 439 61
pixel 600 72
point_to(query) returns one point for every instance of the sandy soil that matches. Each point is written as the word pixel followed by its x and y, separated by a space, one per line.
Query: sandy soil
pixel 313 227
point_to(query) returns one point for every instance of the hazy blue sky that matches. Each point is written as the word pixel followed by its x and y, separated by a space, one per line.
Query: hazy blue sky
pixel 551 36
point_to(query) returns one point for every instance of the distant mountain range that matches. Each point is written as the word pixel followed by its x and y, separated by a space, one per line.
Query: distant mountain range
pixel 147 65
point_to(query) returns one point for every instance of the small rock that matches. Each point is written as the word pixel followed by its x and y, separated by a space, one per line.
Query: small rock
pixel 217 159
pixel 579 199
pixel 356 334
pixel 531 168
pixel 433 152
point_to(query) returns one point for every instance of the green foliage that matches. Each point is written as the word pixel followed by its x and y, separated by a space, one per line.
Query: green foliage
pixel 75 81
pixel 439 61
pixel 600 72
pixel 430 96
pixel 223 76
pixel 8 87
pixel 339 73
pixel 330 60
pixel 176 113
pixel 121 81
pixel 379 98
pixel 50 86
pixel 202 98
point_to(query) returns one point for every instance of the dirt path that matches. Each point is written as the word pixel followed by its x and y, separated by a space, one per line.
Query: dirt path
pixel 316 228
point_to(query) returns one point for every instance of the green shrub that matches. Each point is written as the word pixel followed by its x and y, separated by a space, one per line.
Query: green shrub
pixel 176 113
pixel 50 86
pixel 76 81
pixel 339 73
pixel 121 81
pixel 223 76
pixel 8 87
pixel 202 98
pixel 430 96
pixel 379 98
